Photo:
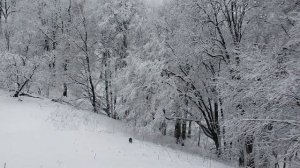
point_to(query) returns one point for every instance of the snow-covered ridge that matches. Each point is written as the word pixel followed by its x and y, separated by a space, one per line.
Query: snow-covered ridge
pixel 36 133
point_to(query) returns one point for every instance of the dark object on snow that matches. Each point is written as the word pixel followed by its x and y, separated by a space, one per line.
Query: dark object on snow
pixel 130 140
pixel 28 95
pixel 182 144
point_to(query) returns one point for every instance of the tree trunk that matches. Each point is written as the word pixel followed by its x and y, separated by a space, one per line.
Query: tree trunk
pixel 183 129
pixel 7 39
pixel 107 97
pixel 93 94
pixel 249 152
pixel 164 124
pixel 215 138
pixel 65 86
pixel 107 84
pixel 20 89
pixel 177 131
pixel 164 127
pixel 65 92
pixel 92 89
pixel 189 135
pixel 284 162
pixel 114 116
pixel 25 83
pixel 199 137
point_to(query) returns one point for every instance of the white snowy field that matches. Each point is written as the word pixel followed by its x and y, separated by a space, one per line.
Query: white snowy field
pixel 37 133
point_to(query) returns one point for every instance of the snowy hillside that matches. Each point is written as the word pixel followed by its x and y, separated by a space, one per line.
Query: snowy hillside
pixel 37 133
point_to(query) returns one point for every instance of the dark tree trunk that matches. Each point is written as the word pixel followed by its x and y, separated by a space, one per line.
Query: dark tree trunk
pixel 183 130
pixel 199 136
pixel 93 95
pixel 177 131
pixel 114 115
pixel 246 157
pixel 91 85
pixel 164 128
pixel 107 98
pixel 65 86
pixel 17 93
pixel 65 92
pixel 241 159
pixel 107 84
pixel 189 135
pixel 85 48
pixel 284 164
pixel 249 152
pixel 215 138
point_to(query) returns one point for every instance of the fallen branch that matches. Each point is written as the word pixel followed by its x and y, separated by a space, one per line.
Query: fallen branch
pixel 180 118
pixel 28 95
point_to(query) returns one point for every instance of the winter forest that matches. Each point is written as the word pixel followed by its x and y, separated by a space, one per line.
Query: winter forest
pixel 221 77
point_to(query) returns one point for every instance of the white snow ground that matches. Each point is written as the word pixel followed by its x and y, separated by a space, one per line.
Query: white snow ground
pixel 37 133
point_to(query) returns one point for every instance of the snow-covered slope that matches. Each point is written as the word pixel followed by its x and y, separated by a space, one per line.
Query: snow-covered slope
pixel 37 133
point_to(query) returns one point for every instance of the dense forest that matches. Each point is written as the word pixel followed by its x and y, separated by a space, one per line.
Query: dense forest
pixel 227 70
